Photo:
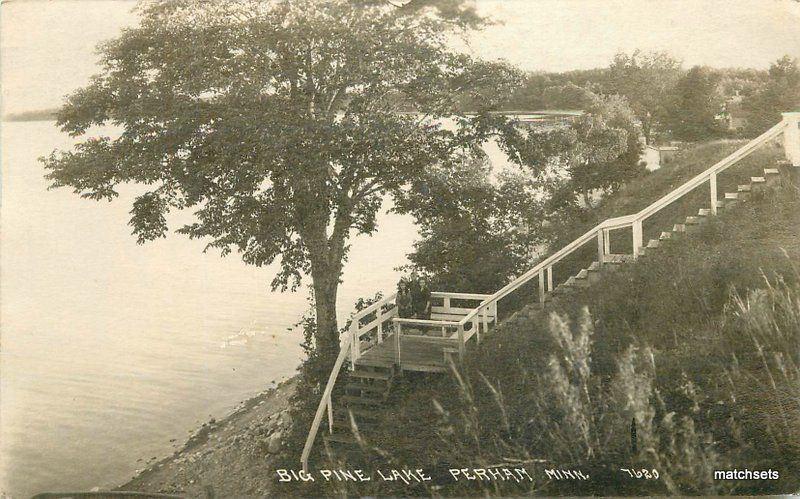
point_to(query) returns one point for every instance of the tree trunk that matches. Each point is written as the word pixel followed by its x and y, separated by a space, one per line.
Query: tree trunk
pixel 326 286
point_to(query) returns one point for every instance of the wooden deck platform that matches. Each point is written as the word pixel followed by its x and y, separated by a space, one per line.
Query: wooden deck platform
pixel 416 354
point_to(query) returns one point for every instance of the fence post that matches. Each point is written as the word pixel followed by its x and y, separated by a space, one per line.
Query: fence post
pixel 460 342
pixel 541 286
pixel 637 238
pixel 380 324
pixel 355 347
pixel 601 246
pixel 712 183
pixel 791 137
pixel 398 330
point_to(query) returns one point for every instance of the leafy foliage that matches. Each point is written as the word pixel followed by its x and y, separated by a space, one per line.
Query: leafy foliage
pixel 692 112
pixel 278 123
pixel 780 93
pixel 645 79
pixel 475 234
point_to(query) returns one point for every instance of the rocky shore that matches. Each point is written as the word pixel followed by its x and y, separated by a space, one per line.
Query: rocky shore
pixel 226 458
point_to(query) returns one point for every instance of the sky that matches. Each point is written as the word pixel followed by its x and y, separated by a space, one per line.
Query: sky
pixel 47 47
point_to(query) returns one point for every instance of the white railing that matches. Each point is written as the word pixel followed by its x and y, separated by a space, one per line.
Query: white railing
pixel 366 336
pixel 544 269
pixel 454 333
pixel 354 343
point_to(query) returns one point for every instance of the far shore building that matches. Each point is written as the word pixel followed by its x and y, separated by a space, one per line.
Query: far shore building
pixel 658 156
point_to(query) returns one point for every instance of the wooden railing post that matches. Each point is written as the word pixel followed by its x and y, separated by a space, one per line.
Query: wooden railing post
pixel 606 242
pixel 380 323
pixel 486 319
pixel 355 347
pixel 460 342
pixel 398 330
pixel 542 291
pixel 550 279
pixel 446 304
pixel 637 238
pixel 601 247
pixel 791 137
pixel 712 184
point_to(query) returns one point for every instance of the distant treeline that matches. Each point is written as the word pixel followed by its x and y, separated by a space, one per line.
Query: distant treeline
pixel 671 101
pixel 40 115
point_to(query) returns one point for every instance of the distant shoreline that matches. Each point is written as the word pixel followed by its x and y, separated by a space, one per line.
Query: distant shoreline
pixel 39 115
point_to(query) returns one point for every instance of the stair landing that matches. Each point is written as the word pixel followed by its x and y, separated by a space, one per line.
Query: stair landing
pixel 416 354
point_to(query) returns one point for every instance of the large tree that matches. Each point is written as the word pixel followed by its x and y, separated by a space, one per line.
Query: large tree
pixel 596 153
pixel 780 93
pixel 695 104
pixel 646 80
pixel 278 123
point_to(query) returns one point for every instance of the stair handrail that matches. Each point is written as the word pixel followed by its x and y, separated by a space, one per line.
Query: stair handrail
pixel 632 219
pixel 325 403
pixel 348 349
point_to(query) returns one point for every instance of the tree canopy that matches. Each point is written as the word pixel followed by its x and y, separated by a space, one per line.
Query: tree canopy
pixel 280 124
pixel 779 93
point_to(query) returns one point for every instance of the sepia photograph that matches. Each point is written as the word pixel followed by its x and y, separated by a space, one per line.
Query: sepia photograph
pixel 399 248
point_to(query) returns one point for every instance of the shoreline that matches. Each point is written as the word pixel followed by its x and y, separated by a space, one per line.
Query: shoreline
pixel 232 456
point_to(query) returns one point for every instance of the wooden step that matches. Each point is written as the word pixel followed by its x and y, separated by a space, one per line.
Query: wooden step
pixel 563 289
pixel 595 267
pixel 757 180
pixel 772 176
pixel 733 196
pixel 743 188
pixel 704 212
pixel 653 244
pixel 720 203
pixel 341 438
pixel 364 387
pixel 361 412
pixel 342 424
pixel 341 421
pixel 360 400
pixel 618 259
pixel 694 220
pixel 665 236
pixel 383 376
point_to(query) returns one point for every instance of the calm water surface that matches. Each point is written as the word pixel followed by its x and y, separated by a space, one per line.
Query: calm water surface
pixel 111 349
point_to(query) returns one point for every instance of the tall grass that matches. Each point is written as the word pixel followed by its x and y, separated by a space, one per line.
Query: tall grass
pixel 685 362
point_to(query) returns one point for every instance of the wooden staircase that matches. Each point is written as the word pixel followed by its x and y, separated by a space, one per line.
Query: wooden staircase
pixel 362 398
pixel 691 225
pixel 364 395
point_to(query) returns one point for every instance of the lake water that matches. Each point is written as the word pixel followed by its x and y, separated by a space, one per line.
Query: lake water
pixel 110 349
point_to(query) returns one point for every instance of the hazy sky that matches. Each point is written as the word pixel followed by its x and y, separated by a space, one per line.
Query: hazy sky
pixel 47 47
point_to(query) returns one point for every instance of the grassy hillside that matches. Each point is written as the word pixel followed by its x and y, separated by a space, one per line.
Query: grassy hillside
pixel 685 362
